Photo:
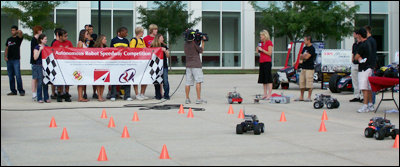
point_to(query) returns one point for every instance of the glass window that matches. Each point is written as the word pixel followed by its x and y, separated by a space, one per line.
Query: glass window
pixel 123 18
pixel 11 3
pixel 123 4
pixel 211 60
pixel 178 60
pixel 179 44
pixel 379 28
pixel 151 4
pixel 331 44
pixel 280 59
pixel 231 60
pixel 104 4
pixel 377 6
pixel 231 31
pixel 231 5
pixel 6 25
pixel 68 19
pixel 105 24
pixel 50 32
pixel 211 5
pixel 211 26
pixel 262 4
pixel 68 4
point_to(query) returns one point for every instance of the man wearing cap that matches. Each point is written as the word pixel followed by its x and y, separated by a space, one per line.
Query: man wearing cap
pixel 358 95
pixel 366 64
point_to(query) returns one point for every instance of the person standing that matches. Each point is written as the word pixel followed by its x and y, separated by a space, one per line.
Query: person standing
pixel 307 56
pixel 159 42
pixel 138 42
pixel 12 57
pixel 92 38
pixel 374 61
pixel 53 88
pixel 264 76
pixel 358 95
pixel 100 43
pixel 64 43
pixel 42 40
pixel 37 30
pixel 83 36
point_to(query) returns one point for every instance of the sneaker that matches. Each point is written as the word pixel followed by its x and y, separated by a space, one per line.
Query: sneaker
pixel 165 98
pixel 67 97
pixel 53 96
pixel 187 101
pixel 361 101
pixel 139 97
pixel 34 98
pixel 113 99
pixel 144 97
pixel 11 94
pixel 199 101
pixel 129 99
pixel 59 99
pixel 85 96
pixel 95 96
pixel 354 100
pixel 22 94
pixel 364 108
pixel 371 108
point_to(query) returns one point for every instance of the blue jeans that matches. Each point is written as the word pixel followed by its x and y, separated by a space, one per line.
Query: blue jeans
pixel 165 86
pixel 41 86
pixel 373 93
pixel 13 69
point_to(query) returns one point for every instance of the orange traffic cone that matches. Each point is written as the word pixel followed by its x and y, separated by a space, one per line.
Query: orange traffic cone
pixel 283 118
pixel 322 127
pixel 111 123
pixel 135 117
pixel 164 153
pixel 181 111
pixel 53 123
pixel 64 135
pixel 103 115
pixel 230 110
pixel 324 116
pixel 125 133
pixel 190 115
pixel 102 155
pixel 241 115
pixel 396 142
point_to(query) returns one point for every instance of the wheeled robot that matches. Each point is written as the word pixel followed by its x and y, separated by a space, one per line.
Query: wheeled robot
pixel 257 99
pixel 234 97
pixel 250 123
pixel 327 100
pixel 380 127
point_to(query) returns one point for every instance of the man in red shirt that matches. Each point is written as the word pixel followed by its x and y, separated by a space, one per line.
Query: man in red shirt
pixel 63 42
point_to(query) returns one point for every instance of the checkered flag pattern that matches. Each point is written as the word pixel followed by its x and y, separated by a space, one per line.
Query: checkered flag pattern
pixel 49 69
pixel 156 69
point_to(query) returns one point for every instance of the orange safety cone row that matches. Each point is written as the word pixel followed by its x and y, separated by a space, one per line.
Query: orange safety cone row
pixel 102 155
pixel 324 116
pixel 322 127
pixel 64 135
pixel 53 123
pixel 125 133
pixel 230 110
pixel 190 115
pixel 181 111
pixel 104 115
pixel 283 118
pixel 111 123
pixel 135 117
pixel 164 153
pixel 241 115
pixel 396 142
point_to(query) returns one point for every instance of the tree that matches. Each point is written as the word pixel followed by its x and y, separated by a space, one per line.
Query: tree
pixel 321 19
pixel 33 13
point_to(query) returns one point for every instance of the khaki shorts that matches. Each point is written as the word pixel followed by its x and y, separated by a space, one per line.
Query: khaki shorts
pixel 194 74
pixel 306 78
pixel 363 82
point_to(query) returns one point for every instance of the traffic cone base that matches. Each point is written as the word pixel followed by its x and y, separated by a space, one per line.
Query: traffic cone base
pixel 64 135
pixel 190 114
pixel 111 123
pixel 102 155
pixel 322 127
pixel 283 118
pixel 324 116
pixel 181 111
pixel 135 117
pixel 164 153
pixel 230 111
pixel 396 142
pixel 104 115
pixel 125 133
pixel 53 123
pixel 241 115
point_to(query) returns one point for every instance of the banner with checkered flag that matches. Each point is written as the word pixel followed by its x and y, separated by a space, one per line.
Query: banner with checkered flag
pixel 50 69
pixel 156 69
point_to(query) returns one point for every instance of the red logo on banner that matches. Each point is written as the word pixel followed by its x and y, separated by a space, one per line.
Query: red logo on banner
pixel 102 74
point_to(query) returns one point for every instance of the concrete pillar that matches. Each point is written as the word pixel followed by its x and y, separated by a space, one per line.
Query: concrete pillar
pixel 393 29
pixel 83 15
pixel 137 15
pixel 248 49
pixel 347 43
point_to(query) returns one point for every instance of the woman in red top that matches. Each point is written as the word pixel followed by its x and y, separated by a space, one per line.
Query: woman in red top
pixel 264 76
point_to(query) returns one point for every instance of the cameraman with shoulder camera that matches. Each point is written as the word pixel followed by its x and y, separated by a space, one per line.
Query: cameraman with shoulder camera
pixel 193 66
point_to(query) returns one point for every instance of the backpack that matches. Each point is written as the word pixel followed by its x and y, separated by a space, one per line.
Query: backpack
pixel 134 38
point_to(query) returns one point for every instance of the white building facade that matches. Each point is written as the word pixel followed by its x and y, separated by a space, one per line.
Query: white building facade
pixel 232 26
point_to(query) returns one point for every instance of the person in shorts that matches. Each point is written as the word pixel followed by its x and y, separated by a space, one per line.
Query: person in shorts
pixel 307 58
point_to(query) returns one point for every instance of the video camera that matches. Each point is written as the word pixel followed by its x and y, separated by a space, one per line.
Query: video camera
pixel 196 36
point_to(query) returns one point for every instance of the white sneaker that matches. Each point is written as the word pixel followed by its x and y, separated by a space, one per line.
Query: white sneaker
pixel 364 108
pixel 129 99
pixel 139 97
pixel 371 108
pixel 187 101
pixel 113 99
pixel 144 97
pixel 34 98
pixel 199 101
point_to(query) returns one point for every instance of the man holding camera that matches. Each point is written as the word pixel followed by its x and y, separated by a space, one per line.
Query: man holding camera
pixel 193 66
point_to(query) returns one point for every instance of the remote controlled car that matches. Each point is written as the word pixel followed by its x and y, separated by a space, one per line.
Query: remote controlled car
pixel 257 99
pixel 380 128
pixel 250 123
pixel 325 99
pixel 234 97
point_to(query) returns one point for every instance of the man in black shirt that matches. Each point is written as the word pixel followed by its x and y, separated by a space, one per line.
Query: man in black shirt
pixel 12 57
pixel 307 72
pixel 92 39
pixel 358 95
pixel 374 62
pixel 365 58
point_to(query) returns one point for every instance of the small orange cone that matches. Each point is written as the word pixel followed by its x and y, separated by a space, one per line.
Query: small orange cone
pixel 322 127
pixel 164 153
pixel 135 117
pixel 283 118
pixel 396 142
pixel 324 116
pixel 190 115
pixel 125 133
pixel 102 155
pixel 181 111
pixel 53 123
pixel 64 135
pixel 241 115
pixel 230 110
pixel 111 123
pixel 103 115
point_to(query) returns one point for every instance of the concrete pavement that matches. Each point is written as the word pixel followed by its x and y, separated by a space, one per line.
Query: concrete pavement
pixel 207 139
